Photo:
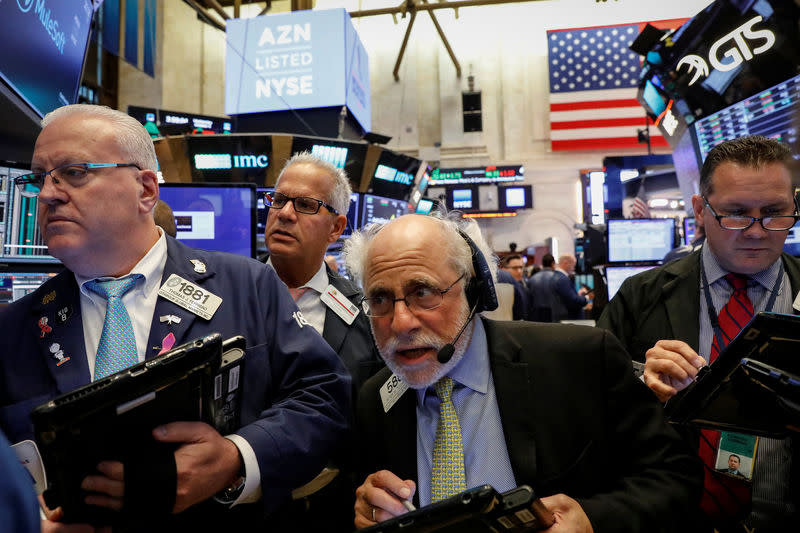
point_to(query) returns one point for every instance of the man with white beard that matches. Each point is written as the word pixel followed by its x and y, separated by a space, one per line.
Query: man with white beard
pixel 466 401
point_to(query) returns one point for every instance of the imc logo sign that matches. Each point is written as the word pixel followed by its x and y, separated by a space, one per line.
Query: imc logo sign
pixel 299 60
pixel 229 161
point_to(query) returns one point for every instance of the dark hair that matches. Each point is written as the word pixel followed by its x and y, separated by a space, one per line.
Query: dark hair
pixel 548 260
pixel 734 455
pixel 507 259
pixel 753 151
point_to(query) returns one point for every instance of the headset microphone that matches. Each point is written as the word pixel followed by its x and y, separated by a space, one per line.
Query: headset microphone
pixel 446 352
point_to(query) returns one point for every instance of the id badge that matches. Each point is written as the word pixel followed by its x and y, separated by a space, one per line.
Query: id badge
pixel 736 455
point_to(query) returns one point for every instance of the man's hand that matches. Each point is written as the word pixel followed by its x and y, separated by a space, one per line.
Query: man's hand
pixel 52 524
pixel 207 462
pixel 379 498
pixel 670 367
pixel 569 515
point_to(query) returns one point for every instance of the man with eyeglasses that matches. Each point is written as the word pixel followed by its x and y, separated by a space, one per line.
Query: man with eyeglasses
pixel 511 267
pixel 307 213
pixel 673 317
pixel 467 400
pixel 96 190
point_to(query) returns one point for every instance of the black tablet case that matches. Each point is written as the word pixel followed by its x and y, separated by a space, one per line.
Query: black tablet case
pixel 112 418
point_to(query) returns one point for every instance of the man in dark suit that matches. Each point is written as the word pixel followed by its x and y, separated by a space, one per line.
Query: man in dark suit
pixel 96 192
pixel 665 316
pixel 552 406
pixel 552 295
pixel 308 213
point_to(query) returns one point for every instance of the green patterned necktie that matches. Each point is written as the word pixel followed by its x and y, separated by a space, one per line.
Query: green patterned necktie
pixel 117 348
pixel 448 476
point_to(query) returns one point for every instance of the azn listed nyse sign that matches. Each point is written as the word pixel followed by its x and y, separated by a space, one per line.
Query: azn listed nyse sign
pixel 296 60
pixel 740 40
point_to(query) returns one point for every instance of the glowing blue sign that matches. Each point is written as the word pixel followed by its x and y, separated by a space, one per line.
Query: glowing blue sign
pixel 298 60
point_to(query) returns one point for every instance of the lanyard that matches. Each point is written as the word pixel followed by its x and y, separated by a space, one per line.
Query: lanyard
pixel 712 315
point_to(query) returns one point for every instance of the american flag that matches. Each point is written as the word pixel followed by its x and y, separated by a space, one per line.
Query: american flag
pixel 639 208
pixel 593 83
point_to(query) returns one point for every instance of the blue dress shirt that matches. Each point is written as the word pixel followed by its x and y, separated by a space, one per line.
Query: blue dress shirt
pixel 485 453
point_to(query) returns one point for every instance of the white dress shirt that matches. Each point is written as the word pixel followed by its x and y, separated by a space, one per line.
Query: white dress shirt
pixel 309 303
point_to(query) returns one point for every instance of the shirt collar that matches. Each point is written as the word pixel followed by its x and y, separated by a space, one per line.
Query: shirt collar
pixel 714 271
pixel 473 370
pixel 151 266
pixel 318 282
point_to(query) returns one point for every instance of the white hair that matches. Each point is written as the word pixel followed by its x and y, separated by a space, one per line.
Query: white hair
pixel 340 195
pixel 454 249
pixel 132 138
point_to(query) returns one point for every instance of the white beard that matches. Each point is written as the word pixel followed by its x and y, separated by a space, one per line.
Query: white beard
pixel 431 370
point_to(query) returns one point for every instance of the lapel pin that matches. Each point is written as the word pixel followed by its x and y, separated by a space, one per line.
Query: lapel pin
pixel 44 327
pixel 49 297
pixel 58 353
pixel 199 266
pixel 64 313
pixel 170 319
pixel 167 343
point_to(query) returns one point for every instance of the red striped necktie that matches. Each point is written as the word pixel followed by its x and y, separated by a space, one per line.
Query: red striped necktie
pixel 725 499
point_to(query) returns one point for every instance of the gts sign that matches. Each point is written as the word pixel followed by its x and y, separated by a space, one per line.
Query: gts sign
pixel 739 41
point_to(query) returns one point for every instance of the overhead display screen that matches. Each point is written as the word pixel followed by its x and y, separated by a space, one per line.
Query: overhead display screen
pixel 640 239
pixel 43 45
pixel 299 60
pixel 469 176
pixel 768 113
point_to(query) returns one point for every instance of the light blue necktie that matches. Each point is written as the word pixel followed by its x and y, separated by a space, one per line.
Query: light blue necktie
pixel 117 348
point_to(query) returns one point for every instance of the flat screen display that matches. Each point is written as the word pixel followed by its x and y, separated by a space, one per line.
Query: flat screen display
pixel 20 236
pixel 380 210
pixel 640 239
pixel 688 230
pixel 214 216
pixel 18 280
pixel 792 244
pixel 515 197
pixel 424 206
pixel 462 199
pixel 615 275
pixel 48 39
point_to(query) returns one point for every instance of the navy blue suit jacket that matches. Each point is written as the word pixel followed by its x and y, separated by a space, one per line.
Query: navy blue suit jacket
pixel 296 391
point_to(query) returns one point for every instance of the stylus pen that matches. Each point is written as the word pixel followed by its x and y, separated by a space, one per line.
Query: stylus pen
pixel 408 505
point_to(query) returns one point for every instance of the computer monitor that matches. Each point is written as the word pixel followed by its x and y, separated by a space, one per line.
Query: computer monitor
pixel 688 230
pixel 792 244
pixel 379 210
pixel 515 197
pixel 214 216
pixel 615 275
pixel 425 206
pixel 19 279
pixel 640 239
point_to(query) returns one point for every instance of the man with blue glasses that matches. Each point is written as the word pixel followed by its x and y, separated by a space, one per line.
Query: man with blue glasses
pixel 680 316
pixel 96 188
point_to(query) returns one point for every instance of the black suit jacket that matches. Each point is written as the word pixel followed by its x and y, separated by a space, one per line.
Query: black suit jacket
pixel 353 343
pixel 575 421
pixel 664 303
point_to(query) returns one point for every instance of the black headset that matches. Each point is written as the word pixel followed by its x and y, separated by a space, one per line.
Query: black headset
pixel 480 290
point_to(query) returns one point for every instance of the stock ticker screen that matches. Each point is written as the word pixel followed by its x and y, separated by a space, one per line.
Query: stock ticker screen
pixel 769 113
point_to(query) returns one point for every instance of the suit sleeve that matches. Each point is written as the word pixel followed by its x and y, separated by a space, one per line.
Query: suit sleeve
pixel 572 300
pixel 303 412
pixel 617 318
pixel 658 476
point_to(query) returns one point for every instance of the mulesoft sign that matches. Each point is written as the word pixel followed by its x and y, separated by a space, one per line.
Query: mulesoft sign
pixel 297 60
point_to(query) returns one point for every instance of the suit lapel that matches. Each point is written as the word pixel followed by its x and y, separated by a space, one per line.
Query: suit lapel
pixel 63 346
pixel 335 330
pixel 180 264
pixel 682 293
pixel 514 389
pixel 793 271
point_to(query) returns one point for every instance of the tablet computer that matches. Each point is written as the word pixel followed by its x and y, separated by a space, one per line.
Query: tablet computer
pixel 477 510
pixel 723 397
pixel 112 419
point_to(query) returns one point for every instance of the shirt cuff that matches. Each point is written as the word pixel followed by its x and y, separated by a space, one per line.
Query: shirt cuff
pixel 252 474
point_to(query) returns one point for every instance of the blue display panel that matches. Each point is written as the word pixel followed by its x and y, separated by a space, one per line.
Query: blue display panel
pixel 298 60
pixel 214 216
pixel 43 45
pixel 640 239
